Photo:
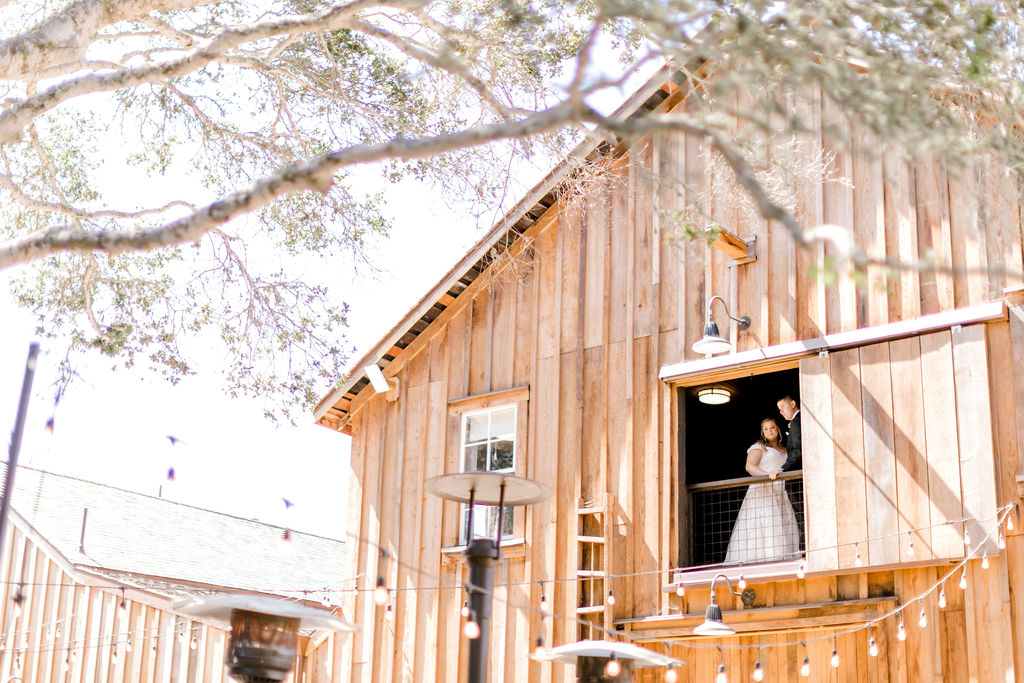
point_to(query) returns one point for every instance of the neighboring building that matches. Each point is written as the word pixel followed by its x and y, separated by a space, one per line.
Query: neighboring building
pixel 75 550
pixel 559 348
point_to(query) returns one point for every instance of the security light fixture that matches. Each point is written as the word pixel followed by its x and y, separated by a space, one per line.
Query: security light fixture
pixel 712 342
pixel 714 396
pixel 381 384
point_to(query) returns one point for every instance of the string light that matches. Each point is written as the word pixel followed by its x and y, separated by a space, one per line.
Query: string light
pixel 122 607
pixel 465 609
pixel 835 657
pixel 801 570
pixel 967 536
pixel 380 593
pixel 1001 540
pixel 113 654
pixel 1009 520
pixel 541 652
pixel 680 590
pixel 471 630
pixel 923 620
pixel 942 597
pixel 910 546
pixel 193 644
pixel 670 675
pixel 742 583
pixel 857 561
pixel 984 562
pixel 545 606
pixel 758 671
pixel 805 668
pixel 721 677
pixel 611 598
pixel 389 612
pixel 872 645
pixel 963 578
pixel 901 633
pixel 612 668
pixel 128 643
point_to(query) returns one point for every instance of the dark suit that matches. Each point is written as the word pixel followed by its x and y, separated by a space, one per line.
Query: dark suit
pixel 794 461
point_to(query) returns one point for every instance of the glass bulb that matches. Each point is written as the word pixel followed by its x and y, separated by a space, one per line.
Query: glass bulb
pixel 471 630
pixel 545 606
pixel 901 632
pixel 465 608
pixel 835 659
pixel 193 644
pixel 857 561
pixel 984 562
pixel 805 668
pixel 611 598
pixel 541 652
pixel 963 579
pixel 742 583
pixel 923 621
pixel 910 549
pixel 1009 522
pixel 680 590
pixel 872 647
pixel 1001 541
pixel 122 607
pixel 942 599
pixel 721 677
pixel 612 668
pixel 380 593
pixel 671 676
pixel 113 656
pixel 128 644
pixel 389 612
pixel 758 671
pixel 801 570
pixel 967 536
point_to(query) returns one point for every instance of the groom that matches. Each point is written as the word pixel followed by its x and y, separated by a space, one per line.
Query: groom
pixel 790 410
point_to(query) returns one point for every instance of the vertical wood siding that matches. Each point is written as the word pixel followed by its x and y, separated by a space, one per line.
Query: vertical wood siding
pixel 598 295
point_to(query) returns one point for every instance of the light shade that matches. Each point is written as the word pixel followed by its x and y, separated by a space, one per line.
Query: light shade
pixel 712 342
pixel 640 656
pixel 376 377
pixel 713 624
pixel 714 396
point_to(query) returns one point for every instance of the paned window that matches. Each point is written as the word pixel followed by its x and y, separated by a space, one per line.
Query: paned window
pixel 489 445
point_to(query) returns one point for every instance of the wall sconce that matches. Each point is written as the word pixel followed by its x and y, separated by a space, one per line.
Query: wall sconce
pixel 381 384
pixel 264 631
pixel 714 396
pixel 712 342
pixel 713 624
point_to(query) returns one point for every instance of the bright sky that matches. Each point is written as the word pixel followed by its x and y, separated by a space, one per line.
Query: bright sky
pixel 112 427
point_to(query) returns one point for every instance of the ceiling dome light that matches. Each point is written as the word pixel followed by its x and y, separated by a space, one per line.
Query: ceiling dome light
pixel 714 396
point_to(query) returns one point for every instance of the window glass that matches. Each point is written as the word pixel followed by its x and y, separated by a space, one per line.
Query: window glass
pixel 489 445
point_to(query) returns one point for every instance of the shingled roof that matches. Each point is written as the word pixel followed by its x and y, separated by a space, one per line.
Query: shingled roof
pixel 163 545
pixel 333 410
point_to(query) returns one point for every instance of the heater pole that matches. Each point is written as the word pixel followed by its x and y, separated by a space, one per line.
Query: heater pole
pixel 481 556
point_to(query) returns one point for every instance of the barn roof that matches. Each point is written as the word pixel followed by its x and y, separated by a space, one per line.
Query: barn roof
pixel 333 409
pixel 153 542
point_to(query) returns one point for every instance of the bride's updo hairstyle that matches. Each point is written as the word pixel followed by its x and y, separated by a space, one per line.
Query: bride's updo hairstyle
pixel 761 438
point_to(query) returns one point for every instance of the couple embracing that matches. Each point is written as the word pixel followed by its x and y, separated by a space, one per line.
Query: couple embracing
pixel 769 525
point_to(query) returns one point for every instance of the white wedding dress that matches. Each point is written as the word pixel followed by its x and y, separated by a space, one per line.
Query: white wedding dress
pixel 765 527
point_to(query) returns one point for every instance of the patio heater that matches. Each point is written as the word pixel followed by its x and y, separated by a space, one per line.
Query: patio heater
pixel 601 661
pixel 482 554
pixel 264 631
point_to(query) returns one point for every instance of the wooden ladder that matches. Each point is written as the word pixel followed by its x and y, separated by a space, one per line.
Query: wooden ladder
pixel 594 554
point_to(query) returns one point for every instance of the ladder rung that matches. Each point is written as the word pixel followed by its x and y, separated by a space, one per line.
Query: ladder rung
pixel 590 539
pixel 589 511
pixel 593 609
pixel 590 572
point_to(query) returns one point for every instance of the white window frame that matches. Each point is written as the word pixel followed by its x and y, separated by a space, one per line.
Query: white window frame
pixel 481 528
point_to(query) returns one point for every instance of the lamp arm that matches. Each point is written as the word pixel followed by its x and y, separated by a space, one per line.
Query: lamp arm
pixel 744 321
pixel 727 582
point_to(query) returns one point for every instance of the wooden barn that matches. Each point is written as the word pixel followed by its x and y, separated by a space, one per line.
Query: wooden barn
pixel 89 573
pixel 560 349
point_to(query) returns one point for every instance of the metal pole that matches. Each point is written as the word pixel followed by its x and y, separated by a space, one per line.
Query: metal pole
pixel 481 556
pixel 19 428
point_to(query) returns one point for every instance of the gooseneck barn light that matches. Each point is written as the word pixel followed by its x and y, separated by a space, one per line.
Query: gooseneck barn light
pixel 713 624
pixel 712 342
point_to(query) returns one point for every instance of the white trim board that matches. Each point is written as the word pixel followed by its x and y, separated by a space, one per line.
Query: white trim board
pixel 986 312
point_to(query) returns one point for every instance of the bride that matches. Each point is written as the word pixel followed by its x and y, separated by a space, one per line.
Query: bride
pixel 765 527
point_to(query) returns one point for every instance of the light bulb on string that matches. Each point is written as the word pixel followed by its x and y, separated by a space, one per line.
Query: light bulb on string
pixel 963 578
pixel 742 583
pixel 680 590
pixel 326 599
pixel 541 652
pixel 545 606
pixel 389 612
pixel 465 608
pixel 801 570
pixel 471 630
pixel 910 545
pixel 872 645
pixel 901 633
pixel 923 620
pixel 942 597
pixel 113 655
pixel 193 644
pixel 1009 520
pixel 721 677
pixel 857 561
pixel 758 671
pixel 805 668
pixel 612 668
pixel 59 633
pixel 670 675
pixel 380 592
pixel 967 536
pixel 128 643
pixel 611 597
pixel 835 658
pixel 1001 540
pixel 984 562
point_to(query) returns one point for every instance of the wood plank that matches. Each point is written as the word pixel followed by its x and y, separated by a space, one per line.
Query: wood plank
pixel 809 211
pixel 819 453
pixel 879 455
pixel 941 443
pixel 909 444
pixel 838 198
pixel 933 235
pixel 643 304
pixel 570 253
pixel 967 237
pixel 974 417
pixel 869 227
pixel 729 244
pixel 570 425
pixel 620 468
pixel 851 525
pixel 503 328
pixel 621 250
pixel 596 217
pixel 901 235
pixel 646 480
